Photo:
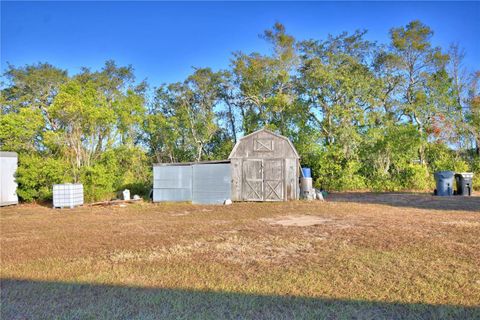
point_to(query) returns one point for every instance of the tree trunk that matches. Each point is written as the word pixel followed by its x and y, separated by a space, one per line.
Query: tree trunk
pixel 199 151
pixel 477 148
pixel 231 119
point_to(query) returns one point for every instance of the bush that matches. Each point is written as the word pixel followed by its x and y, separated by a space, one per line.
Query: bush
pixel 97 182
pixel 441 158
pixel 416 177
pixel 36 176
pixel 118 169
pixel 337 173
pixel 475 168
pixel 134 171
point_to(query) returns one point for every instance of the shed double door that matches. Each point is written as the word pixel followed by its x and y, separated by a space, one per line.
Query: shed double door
pixel 263 180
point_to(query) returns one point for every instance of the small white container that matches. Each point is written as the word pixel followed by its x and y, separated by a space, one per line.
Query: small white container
pixel 67 195
pixel 306 189
pixel 126 194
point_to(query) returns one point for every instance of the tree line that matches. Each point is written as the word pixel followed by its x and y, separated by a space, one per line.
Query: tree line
pixel 362 115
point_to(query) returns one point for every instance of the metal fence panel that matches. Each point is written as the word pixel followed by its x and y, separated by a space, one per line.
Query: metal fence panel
pixel 172 183
pixel 211 183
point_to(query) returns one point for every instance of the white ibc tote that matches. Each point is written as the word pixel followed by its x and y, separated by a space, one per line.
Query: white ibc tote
pixel 67 195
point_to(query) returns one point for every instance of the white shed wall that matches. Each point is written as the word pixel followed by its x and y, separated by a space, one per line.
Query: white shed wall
pixel 8 185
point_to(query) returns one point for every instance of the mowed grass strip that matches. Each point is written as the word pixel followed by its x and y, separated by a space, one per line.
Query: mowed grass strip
pixel 363 260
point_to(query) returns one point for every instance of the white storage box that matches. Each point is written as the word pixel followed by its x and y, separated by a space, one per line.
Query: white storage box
pixel 67 195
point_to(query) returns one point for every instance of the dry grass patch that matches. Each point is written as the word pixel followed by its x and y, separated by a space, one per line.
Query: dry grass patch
pixel 339 259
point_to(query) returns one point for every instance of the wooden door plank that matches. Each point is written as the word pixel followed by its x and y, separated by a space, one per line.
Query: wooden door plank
pixel 252 187
pixel 273 180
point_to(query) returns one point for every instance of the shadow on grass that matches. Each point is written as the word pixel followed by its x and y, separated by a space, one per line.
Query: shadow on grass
pixel 25 299
pixel 410 200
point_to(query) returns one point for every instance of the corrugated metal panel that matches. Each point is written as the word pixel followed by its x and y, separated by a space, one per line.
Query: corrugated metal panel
pixel 211 183
pixel 172 183
pixel 172 177
pixel 8 185
pixel 172 195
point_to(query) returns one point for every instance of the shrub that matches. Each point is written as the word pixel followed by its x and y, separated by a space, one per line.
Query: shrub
pixel 97 182
pixel 36 176
pixel 416 177
pixel 337 173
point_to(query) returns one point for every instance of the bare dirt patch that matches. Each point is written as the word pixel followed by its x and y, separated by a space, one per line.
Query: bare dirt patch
pixel 298 221
pixel 308 221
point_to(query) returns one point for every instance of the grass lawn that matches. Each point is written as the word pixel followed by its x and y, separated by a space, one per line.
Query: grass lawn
pixel 361 256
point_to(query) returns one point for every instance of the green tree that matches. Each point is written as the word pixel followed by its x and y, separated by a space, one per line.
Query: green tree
pixel 341 91
pixel 417 62
pixel 34 87
pixel 265 87
pixel 81 112
pixel 361 114
pixel 473 112
pixel 21 130
pixel 188 110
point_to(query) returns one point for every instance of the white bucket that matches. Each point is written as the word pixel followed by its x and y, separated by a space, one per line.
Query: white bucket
pixel 126 194
pixel 306 189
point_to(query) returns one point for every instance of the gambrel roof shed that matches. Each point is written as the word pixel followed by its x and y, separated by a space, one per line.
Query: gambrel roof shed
pixel 263 140
pixel 265 167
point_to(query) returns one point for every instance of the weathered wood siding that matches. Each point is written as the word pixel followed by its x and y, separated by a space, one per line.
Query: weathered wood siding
pixel 236 179
pixel 264 168
pixel 263 145
pixel 292 172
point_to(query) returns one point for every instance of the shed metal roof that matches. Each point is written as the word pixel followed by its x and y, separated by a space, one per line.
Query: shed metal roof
pixel 189 163
pixel 8 154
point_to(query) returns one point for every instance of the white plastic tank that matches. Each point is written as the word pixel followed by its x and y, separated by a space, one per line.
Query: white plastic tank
pixel 67 195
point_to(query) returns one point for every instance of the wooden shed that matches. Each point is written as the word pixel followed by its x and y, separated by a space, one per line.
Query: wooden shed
pixel 265 167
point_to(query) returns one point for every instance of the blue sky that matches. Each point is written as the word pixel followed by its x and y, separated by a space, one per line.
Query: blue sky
pixel 164 40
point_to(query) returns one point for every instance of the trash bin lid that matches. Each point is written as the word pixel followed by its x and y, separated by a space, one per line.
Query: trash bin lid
pixel 465 174
pixel 444 174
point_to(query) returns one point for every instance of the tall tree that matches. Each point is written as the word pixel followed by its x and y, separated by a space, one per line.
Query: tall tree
pixel 201 94
pixel 189 109
pixel 473 113
pixel 339 86
pixel 417 62
pixel 81 112
pixel 25 100
pixel 162 129
pixel 265 83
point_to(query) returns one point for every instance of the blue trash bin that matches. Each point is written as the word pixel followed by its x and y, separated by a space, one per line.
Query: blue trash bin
pixel 307 173
pixel 444 182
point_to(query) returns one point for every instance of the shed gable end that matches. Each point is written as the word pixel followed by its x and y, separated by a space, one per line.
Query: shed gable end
pixel 263 144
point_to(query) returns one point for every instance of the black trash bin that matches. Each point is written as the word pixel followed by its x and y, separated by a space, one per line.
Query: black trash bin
pixel 464 182
pixel 444 183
